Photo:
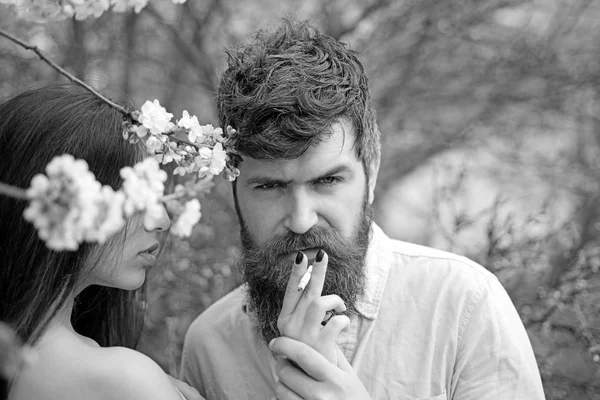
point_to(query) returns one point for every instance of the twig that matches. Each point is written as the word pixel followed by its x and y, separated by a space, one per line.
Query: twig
pixel 183 141
pixel 544 317
pixel 584 326
pixel 191 54
pixel 63 72
pixel 13 191
pixel 366 12
pixel 73 79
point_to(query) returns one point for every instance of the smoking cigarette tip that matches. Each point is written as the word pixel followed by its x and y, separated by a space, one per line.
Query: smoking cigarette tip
pixel 305 278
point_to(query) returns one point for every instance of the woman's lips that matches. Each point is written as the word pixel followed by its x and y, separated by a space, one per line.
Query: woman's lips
pixel 151 249
pixel 150 253
pixel 150 258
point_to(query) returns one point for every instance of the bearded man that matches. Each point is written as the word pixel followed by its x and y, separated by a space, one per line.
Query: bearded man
pixel 424 324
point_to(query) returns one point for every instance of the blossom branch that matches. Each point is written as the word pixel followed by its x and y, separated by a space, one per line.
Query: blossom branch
pixel 64 72
pixel 187 142
pixel 68 206
pixel 13 191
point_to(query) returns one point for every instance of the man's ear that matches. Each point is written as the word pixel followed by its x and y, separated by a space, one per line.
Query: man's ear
pixel 372 172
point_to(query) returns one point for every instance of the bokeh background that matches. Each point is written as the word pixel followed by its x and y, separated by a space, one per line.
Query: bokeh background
pixel 490 117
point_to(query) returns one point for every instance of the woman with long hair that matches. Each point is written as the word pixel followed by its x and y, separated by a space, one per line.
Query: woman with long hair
pixel 81 310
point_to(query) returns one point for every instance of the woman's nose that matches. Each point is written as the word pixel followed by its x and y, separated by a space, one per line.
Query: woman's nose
pixel 158 220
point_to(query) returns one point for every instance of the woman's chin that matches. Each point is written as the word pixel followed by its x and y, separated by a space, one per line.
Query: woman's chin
pixel 131 281
pixel 135 283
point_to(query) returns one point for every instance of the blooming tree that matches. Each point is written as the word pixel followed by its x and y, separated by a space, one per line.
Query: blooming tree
pixel 68 206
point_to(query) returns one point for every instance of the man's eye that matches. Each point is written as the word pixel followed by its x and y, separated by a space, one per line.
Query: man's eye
pixel 268 186
pixel 329 180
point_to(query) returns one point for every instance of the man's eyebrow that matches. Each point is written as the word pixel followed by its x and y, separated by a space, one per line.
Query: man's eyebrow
pixel 338 169
pixel 261 180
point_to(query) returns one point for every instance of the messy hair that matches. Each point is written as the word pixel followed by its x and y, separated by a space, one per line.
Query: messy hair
pixel 284 91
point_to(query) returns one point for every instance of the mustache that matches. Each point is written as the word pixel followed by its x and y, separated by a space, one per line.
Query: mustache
pixel 274 250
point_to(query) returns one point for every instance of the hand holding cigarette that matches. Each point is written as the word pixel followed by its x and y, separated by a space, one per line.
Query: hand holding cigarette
pixel 304 308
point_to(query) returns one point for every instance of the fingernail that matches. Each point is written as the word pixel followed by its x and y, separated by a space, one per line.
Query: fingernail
pixel 320 255
pixel 271 344
pixel 299 257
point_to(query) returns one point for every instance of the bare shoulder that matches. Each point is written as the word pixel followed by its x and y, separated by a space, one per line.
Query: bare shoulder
pixel 126 373
pixel 83 372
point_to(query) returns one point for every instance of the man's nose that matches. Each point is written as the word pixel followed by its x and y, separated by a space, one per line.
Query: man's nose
pixel 301 214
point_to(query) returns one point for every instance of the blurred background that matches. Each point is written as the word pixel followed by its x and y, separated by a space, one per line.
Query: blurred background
pixel 490 116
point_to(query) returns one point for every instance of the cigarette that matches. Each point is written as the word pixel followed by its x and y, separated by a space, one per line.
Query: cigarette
pixel 305 278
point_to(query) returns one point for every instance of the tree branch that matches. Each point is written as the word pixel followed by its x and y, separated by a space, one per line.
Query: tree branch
pixel 65 73
pixel 192 56
pixel 366 12
pixel 13 191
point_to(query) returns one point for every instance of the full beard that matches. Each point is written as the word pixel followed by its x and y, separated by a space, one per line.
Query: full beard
pixel 266 269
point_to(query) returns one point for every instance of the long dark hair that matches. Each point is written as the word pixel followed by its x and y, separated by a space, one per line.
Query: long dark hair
pixel 35 281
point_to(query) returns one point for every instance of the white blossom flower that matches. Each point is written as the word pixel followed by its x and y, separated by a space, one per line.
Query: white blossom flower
pixel 154 214
pixel 191 122
pixel 68 10
pixel 126 5
pixel 211 131
pixel 154 143
pixel 140 130
pixel 189 217
pixel 63 203
pixel 89 8
pixel 36 10
pixel 211 161
pixel 155 118
pixel 171 153
pixel 109 219
pixel 53 10
pixel 143 186
pixel 182 170
pixel 231 173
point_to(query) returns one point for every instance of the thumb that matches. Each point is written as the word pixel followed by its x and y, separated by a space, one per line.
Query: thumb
pixel 342 363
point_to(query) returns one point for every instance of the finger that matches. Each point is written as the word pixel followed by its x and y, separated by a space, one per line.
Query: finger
pixel 307 358
pixel 186 390
pixel 315 286
pixel 292 295
pixel 291 380
pixel 334 326
pixel 319 307
pixel 190 393
pixel 283 392
pixel 342 363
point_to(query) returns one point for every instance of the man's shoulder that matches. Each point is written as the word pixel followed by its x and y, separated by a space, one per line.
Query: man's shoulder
pixel 221 317
pixel 436 263
pixel 428 274
pixel 446 284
